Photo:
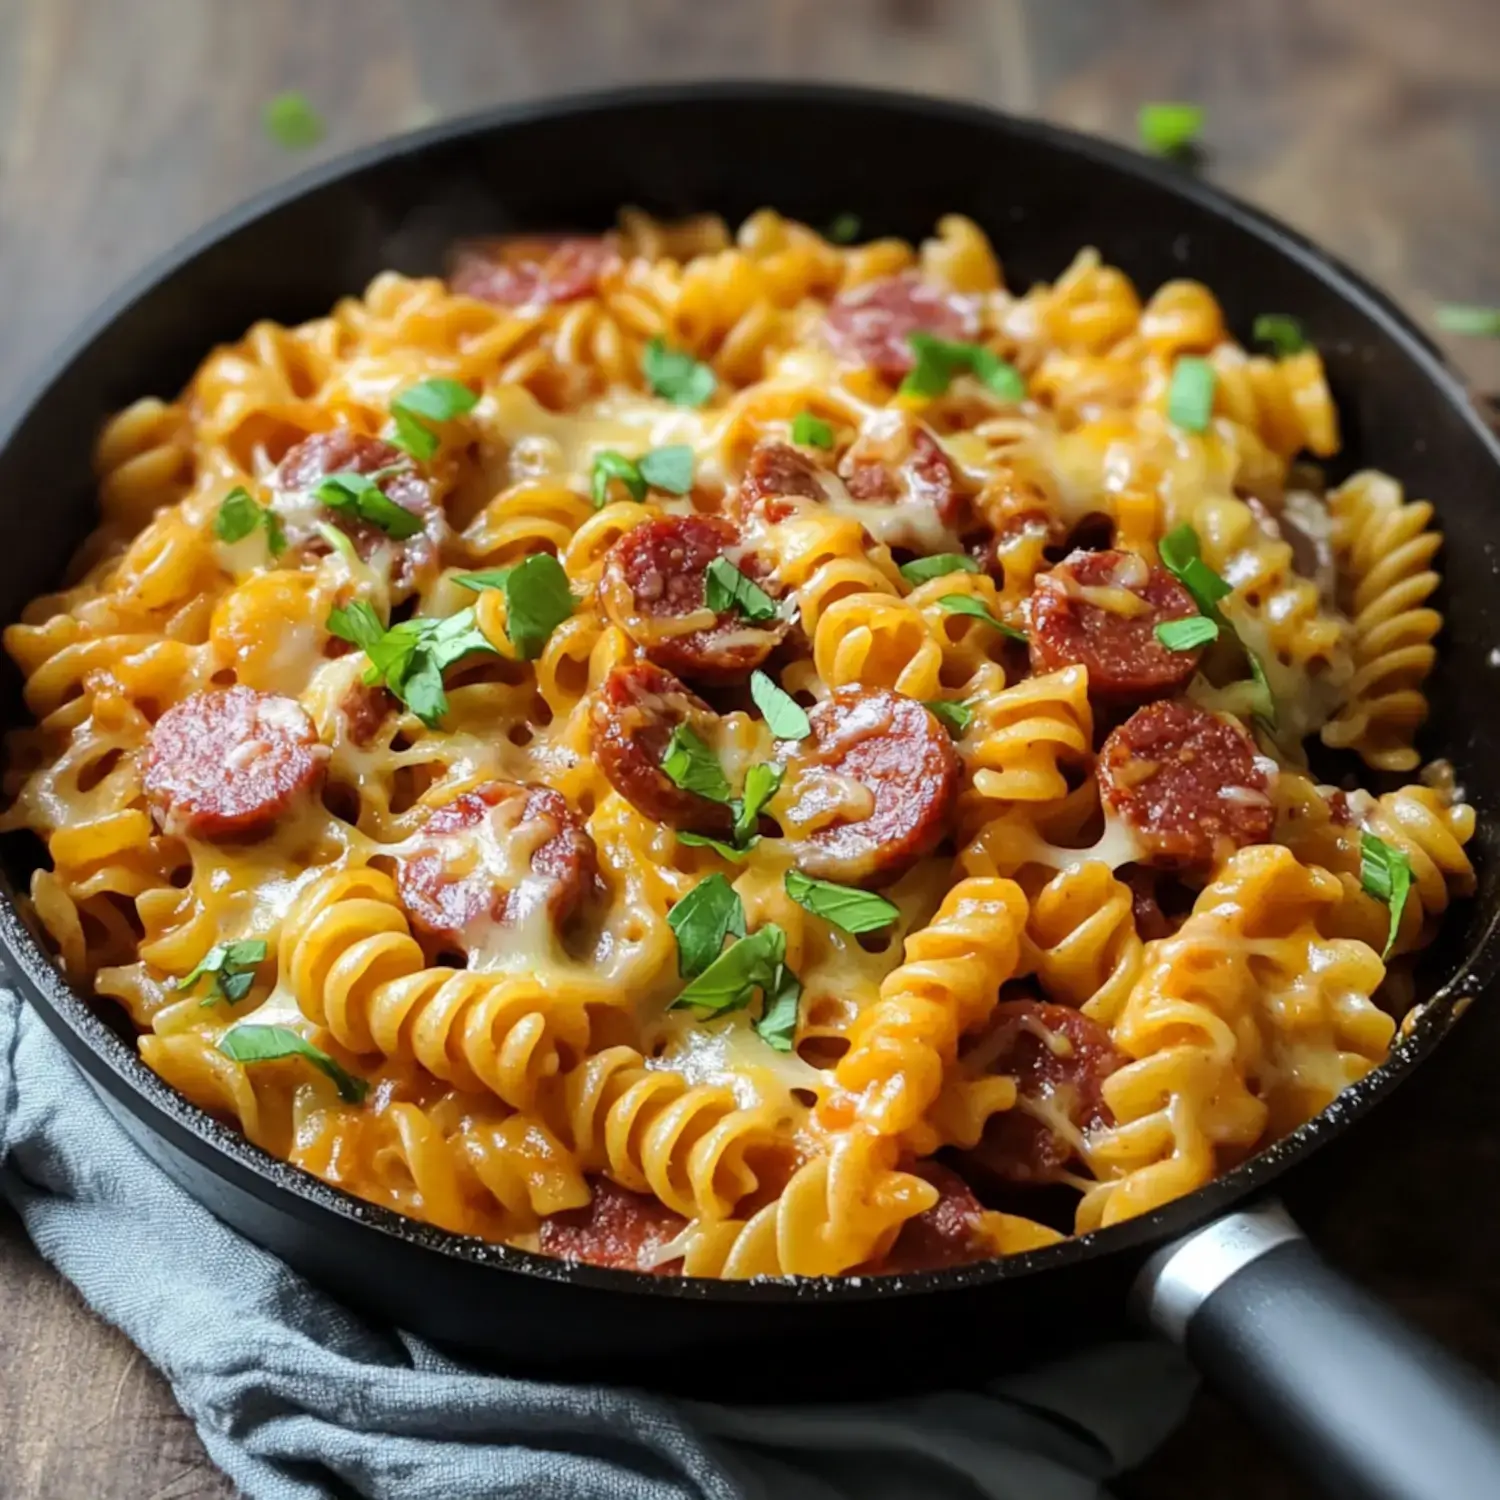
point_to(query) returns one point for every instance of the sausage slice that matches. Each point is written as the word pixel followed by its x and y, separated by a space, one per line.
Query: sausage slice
pixel 341 452
pixel 1059 1059
pixel 497 853
pixel 873 785
pixel 774 473
pixel 950 1233
pixel 869 324
pixel 632 718
pixel 532 271
pixel 898 460
pixel 1187 783
pixel 229 765
pixel 654 588
pixel 1100 610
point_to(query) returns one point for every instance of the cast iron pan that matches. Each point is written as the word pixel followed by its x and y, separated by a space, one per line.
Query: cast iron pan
pixel 1368 1406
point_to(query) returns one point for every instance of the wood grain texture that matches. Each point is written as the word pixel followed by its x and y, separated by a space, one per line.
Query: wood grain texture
pixel 1372 125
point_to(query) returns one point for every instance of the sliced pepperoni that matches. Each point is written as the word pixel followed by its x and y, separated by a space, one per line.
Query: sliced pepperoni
pixel 1186 782
pixel 1059 1059
pixel 655 579
pixel 619 1229
pixel 532 270
pixel 341 452
pixel 1100 610
pixel 634 713
pixel 474 865
pixel 873 785
pixel 896 461
pixel 225 765
pixel 870 324
pixel 774 473
pixel 950 1233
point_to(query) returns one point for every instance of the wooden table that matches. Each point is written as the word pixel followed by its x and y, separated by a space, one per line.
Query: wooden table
pixel 1373 125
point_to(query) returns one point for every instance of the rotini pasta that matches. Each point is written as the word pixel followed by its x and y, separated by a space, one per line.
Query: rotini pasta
pixel 630 748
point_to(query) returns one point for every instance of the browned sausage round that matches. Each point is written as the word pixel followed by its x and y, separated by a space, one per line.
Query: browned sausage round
pixel 343 452
pixel 618 1228
pixel 656 578
pixel 228 764
pixel 1186 782
pixel 532 270
pixel 873 786
pixel 365 709
pixel 1059 1059
pixel 774 472
pixel 453 879
pixel 902 462
pixel 947 1234
pixel 634 713
pixel 1081 613
pixel 870 324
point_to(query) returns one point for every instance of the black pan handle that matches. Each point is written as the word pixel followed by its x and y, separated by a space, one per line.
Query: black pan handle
pixel 1356 1398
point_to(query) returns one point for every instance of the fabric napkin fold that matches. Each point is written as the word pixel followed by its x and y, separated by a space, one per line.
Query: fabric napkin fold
pixel 296 1398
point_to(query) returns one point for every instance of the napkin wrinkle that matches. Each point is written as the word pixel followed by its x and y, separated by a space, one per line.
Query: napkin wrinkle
pixel 297 1398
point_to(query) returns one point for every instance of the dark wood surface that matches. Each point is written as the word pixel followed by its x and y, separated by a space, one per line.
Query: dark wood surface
pixel 1372 125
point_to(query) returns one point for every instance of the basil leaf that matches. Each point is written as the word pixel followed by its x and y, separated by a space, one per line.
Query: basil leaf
pixel 702 841
pixel 784 716
pixel 702 919
pixel 726 588
pixel 761 782
pixel 811 431
pixel 967 604
pixel 777 1026
pixel 611 465
pixel 412 435
pixel 954 717
pixel 690 764
pixel 1481 322
pixel 1169 129
pixel 537 599
pixel 410 658
pixel 232 968
pixel 238 515
pixel 675 375
pixel 1190 398
pixel 730 981
pixel 356 623
pixel 275 534
pixel 1179 554
pixel 847 908
pixel 359 497
pixel 924 569
pixel 1187 634
pixel 252 1044
pixel 1385 872
pixel 1280 332
pixel 1267 710
pixel 291 122
pixel 939 360
pixel 844 229
pixel 669 469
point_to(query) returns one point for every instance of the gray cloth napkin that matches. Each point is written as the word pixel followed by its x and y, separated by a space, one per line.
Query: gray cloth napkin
pixel 296 1398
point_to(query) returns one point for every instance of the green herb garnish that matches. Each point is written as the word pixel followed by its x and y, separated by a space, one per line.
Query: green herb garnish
pixel 667 469
pixel 238 515
pixel 1190 398
pixel 784 716
pixel 361 499
pixel 761 782
pixel 702 919
pixel 729 983
pixel 1385 872
pixel 967 604
pixel 537 600
pixel 846 907
pixel 924 569
pixel 252 1044
pixel 1188 634
pixel 939 360
pixel 689 763
pixel 844 228
pixel 675 375
pixel 811 431
pixel 726 588
pixel 1279 332
pixel 230 968
pixel 954 717
pixel 777 1026
pixel 434 400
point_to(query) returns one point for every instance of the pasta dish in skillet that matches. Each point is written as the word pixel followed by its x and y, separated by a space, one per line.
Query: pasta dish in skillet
pixel 745 755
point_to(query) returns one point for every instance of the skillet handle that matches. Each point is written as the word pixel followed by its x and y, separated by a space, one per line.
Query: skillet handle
pixel 1357 1399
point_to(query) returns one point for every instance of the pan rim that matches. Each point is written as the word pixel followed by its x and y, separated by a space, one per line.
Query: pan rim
pixel 111 1064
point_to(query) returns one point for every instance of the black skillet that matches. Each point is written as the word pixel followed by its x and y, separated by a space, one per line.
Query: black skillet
pixel 1361 1399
